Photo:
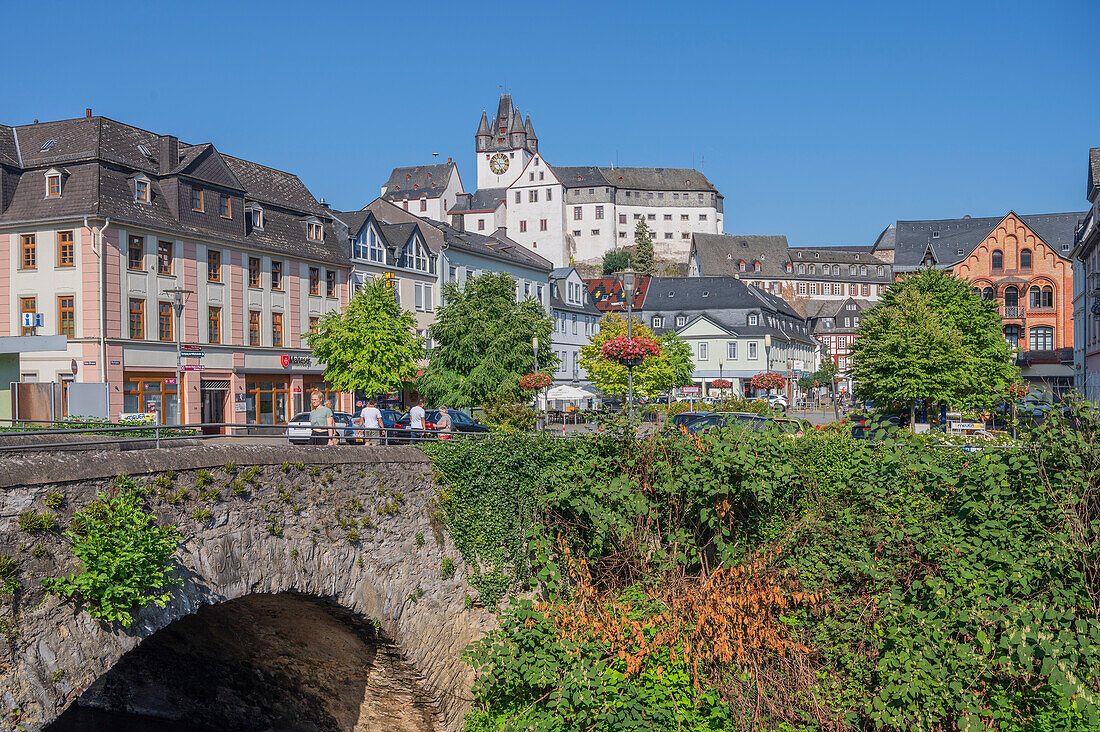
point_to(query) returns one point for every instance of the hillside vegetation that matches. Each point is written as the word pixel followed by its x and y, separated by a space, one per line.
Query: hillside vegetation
pixel 754 581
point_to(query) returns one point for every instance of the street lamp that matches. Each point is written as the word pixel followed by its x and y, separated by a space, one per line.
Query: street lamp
pixel 628 278
pixel 721 384
pixel 535 346
pixel 179 299
pixel 768 353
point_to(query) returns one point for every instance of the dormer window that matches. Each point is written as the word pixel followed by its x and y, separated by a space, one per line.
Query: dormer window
pixel 53 183
pixel 741 266
pixel 681 320
pixel 256 216
pixel 756 267
pixel 314 231
pixel 789 267
pixel 141 189
pixel 753 319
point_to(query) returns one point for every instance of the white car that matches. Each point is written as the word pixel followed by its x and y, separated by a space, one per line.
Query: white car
pixel 775 401
pixel 299 431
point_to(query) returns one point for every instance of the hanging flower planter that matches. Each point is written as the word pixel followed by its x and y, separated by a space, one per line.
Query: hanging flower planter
pixel 721 384
pixel 535 381
pixel 768 380
pixel 630 351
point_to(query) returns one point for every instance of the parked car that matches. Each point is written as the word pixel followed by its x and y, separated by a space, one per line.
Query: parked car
pixel 748 420
pixel 777 402
pixel 683 419
pixel 299 431
pixel 354 434
pixel 462 423
pixel 865 425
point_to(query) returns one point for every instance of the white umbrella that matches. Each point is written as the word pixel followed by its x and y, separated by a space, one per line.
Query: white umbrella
pixel 568 393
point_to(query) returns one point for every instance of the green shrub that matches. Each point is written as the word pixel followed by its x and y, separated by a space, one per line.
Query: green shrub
pixel 419 540
pixel 54 500
pixel 9 574
pixel 202 479
pixel 507 418
pixel 202 515
pixel 352 536
pixel 250 474
pixel 33 522
pixel 447 568
pixel 126 557
pixel 230 468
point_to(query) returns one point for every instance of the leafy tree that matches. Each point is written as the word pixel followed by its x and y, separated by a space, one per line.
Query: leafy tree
pixel 483 344
pixel 615 260
pixel 826 375
pixel 643 248
pixel 672 368
pixel 931 338
pixel 370 345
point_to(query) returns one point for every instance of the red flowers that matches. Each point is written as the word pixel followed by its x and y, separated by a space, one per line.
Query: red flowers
pixel 630 350
pixel 534 381
pixel 1017 390
pixel 721 384
pixel 768 380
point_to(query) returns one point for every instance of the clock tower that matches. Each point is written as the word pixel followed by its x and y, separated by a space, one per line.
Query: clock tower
pixel 504 145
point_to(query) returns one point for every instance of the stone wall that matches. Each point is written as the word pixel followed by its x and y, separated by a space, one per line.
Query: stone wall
pixel 355 526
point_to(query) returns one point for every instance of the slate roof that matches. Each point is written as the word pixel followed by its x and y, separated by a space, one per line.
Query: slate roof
pixel 100 156
pixel 645 179
pixel 483 199
pixel 388 213
pixel 9 154
pixel 415 181
pixel 847 254
pixel 497 246
pixel 1094 172
pixel 720 254
pixel 557 276
pixel 886 240
pixel 947 237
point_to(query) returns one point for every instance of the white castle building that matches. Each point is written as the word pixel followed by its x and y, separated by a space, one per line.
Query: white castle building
pixel 567 214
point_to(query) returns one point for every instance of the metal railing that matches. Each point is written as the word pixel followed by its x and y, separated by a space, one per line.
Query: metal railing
pixel 1012 311
pixel 131 436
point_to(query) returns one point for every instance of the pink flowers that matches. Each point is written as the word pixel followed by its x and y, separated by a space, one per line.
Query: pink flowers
pixel 534 381
pixel 1017 390
pixel 768 380
pixel 630 350
pixel 721 384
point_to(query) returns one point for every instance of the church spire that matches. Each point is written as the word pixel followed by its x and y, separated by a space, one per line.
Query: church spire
pixel 532 140
pixel 484 134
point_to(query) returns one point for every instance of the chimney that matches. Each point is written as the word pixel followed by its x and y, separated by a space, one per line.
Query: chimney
pixel 168 154
pixel 87 111
pixel 449 160
pixel 457 223
pixel 323 204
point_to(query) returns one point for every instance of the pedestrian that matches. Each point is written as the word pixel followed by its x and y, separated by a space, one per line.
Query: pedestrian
pixel 371 420
pixel 321 421
pixel 444 424
pixel 416 420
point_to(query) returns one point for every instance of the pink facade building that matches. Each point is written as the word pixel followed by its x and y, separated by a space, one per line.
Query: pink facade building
pixel 100 222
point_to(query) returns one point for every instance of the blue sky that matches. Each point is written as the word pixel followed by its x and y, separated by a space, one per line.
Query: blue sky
pixel 822 121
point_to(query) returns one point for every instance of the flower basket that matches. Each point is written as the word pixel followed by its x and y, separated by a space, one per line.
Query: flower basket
pixel 768 380
pixel 535 381
pixel 721 384
pixel 630 351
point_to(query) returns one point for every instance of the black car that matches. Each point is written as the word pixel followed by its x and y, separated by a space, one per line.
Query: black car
pixel 683 419
pixel 461 422
pixel 718 420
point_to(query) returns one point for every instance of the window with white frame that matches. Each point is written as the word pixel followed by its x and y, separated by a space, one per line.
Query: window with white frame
pixel 681 320
pixel 256 216
pixel 422 297
pixel 754 319
pixel 657 322
pixel 414 255
pixel 731 350
pixel 314 231
pixel 703 356
pixel 753 350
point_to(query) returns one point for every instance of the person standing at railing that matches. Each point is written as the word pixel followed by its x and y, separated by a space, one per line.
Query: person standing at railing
pixel 371 419
pixel 322 421
pixel 416 419
pixel 444 425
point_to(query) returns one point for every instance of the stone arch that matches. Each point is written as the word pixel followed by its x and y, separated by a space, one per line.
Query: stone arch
pixel 394 579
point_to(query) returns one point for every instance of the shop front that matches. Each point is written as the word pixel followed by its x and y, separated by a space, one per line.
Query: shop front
pixel 151 393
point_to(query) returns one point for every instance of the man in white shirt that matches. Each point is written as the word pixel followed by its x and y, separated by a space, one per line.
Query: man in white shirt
pixel 416 419
pixel 371 420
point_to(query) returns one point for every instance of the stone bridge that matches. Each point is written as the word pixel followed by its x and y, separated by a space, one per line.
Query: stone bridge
pixel 319 591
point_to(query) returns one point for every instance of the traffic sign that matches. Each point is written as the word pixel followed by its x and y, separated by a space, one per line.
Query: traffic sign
pixel 193 354
pixel 690 390
pixel 193 367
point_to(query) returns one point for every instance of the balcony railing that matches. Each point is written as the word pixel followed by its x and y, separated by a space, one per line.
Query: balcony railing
pixel 1012 312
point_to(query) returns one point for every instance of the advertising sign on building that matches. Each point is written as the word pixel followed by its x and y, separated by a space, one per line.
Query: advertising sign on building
pixel 690 390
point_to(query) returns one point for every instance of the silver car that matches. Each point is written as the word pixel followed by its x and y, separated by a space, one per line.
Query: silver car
pixel 299 431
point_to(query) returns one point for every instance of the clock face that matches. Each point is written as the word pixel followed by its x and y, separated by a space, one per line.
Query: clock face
pixel 498 163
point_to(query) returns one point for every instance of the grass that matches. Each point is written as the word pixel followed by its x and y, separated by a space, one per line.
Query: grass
pixel 33 522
